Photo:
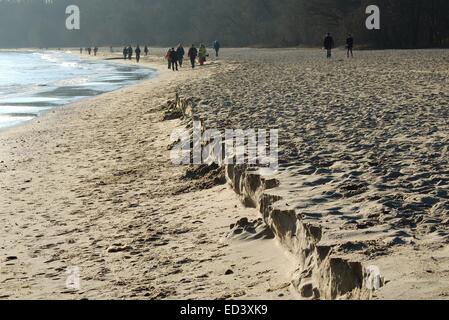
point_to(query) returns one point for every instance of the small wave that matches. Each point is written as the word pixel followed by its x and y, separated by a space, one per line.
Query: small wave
pixel 48 79
pixel 51 57
pixel 17 101
pixel 16 110
pixel 72 82
pixel 9 121
pixel 58 58
pixel 70 64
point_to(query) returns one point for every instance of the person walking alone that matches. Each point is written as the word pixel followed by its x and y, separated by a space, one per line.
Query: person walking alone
pixel 328 45
pixel 193 53
pixel 216 47
pixel 350 45
pixel 146 51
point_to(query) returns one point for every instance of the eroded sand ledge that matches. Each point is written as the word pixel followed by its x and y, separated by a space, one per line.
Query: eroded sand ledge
pixel 321 272
pixel 364 173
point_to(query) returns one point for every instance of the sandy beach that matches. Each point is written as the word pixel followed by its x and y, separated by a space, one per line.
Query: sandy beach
pixel 363 182
pixel 92 186
pixel 364 168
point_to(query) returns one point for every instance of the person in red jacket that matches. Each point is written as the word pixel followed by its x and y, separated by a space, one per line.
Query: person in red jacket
pixel 168 56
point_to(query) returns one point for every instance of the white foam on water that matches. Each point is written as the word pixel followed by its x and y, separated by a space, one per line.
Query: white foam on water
pixel 9 121
pixel 28 100
pixel 53 78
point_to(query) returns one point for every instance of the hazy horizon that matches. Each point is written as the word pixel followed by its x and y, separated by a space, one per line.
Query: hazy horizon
pixel 267 23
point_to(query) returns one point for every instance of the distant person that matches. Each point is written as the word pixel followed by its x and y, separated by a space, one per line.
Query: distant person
pixel 168 58
pixel 138 52
pixel 193 53
pixel 202 54
pixel 180 52
pixel 216 46
pixel 125 53
pixel 328 45
pixel 350 45
pixel 81 50
pixel 146 50
pixel 174 59
pixel 111 49
pixel 130 53
pixel 95 51
pixel 89 50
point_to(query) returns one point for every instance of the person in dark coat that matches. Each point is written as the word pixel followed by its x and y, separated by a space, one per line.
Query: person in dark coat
pixel 180 52
pixel 328 45
pixel 130 53
pixel 125 53
pixel 350 45
pixel 146 50
pixel 174 59
pixel 193 53
pixel 138 52
pixel 217 47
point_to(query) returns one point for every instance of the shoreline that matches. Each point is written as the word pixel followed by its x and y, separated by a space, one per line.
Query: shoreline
pixel 82 93
pixel 64 175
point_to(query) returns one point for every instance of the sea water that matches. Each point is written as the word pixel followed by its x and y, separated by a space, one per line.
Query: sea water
pixel 34 82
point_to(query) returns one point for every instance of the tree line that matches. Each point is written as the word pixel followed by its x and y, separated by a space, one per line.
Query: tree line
pixel 267 23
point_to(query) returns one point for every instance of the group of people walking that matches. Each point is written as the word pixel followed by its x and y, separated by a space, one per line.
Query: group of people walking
pixel 89 51
pixel 128 52
pixel 175 57
pixel 329 44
